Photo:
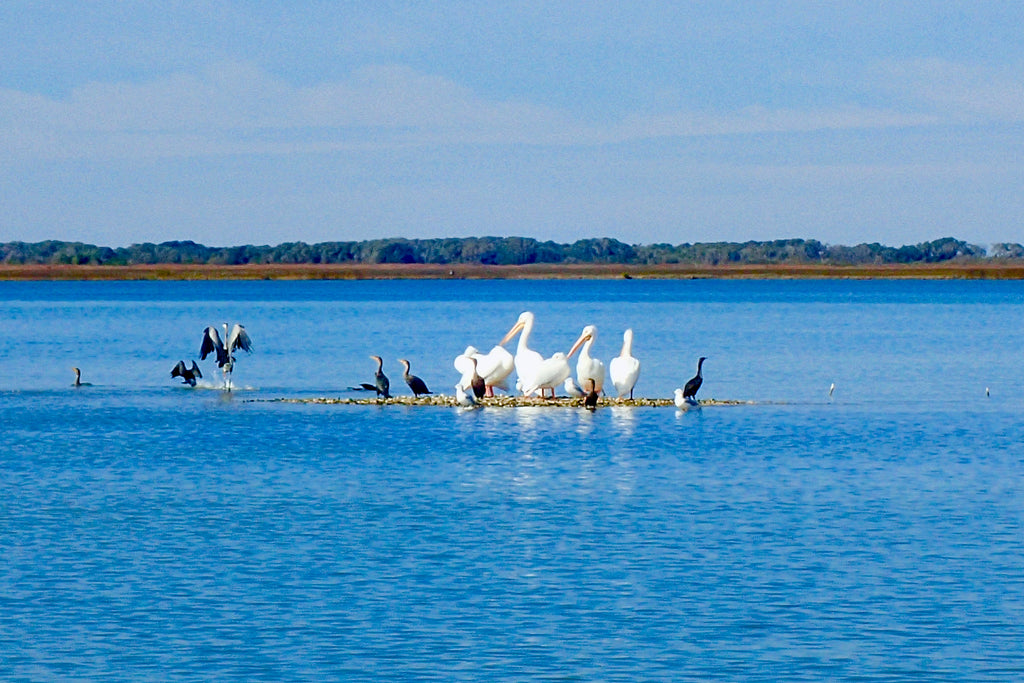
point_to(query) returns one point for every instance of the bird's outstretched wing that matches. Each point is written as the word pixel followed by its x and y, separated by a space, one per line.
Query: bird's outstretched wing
pixel 179 369
pixel 211 343
pixel 239 339
pixel 195 370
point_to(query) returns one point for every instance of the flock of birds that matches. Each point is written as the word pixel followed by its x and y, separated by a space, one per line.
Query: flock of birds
pixel 536 375
pixel 480 373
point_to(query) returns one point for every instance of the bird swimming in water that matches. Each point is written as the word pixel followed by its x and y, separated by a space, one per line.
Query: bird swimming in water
pixel 624 369
pixel 692 386
pixel 188 375
pixel 78 379
pixel 590 402
pixel 417 385
pixel 381 383
pixel 831 390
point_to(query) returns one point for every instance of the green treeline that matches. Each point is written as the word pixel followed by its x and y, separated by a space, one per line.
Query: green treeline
pixel 502 251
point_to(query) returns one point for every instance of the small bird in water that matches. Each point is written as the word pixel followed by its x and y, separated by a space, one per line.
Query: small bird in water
pixel 381 384
pixel 188 375
pixel 831 390
pixel 591 399
pixel 78 379
pixel 418 386
pixel 692 386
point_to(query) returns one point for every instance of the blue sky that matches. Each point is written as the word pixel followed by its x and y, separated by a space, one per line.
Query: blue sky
pixel 258 122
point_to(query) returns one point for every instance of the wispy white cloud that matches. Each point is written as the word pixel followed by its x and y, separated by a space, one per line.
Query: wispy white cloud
pixel 953 92
pixel 239 109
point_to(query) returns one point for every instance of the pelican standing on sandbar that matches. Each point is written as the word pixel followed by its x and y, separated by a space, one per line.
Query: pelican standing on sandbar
pixel 624 369
pixel 587 367
pixel 225 352
pixel 526 361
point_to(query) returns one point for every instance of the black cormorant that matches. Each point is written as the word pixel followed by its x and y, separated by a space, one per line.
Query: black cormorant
pixel 690 390
pixel 187 375
pixel 381 384
pixel 591 399
pixel 78 379
pixel 417 385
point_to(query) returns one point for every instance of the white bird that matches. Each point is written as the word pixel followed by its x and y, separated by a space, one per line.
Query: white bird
pixel 624 369
pixel 680 402
pixel 551 372
pixel 831 390
pixel 573 389
pixel 494 367
pixel 526 361
pixel 462 398
pixel 588 367
pixel 238 339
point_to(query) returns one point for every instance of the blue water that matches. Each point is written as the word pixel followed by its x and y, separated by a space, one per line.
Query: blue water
pixel 149 531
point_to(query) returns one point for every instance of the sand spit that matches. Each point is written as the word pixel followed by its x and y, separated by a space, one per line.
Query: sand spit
pixel 498 402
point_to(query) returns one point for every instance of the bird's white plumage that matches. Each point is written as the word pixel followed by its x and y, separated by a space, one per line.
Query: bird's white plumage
pixel 680 402
pixel 572 389
pixel 494 366
pixel 624 369
pixel 550 373
pixel 527 362
pixel 588 367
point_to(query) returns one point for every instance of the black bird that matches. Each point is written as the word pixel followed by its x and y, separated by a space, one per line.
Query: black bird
pixel 690 390
pixel 187 375
pixel 591 399
pixel 477 382
pixel 381 385
pixel 417 385
pixel 78 379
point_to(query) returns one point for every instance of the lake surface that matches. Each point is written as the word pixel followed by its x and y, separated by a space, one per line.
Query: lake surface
pixel 149 531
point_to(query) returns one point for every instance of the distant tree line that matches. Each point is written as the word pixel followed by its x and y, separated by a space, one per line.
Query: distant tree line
pixel 503 251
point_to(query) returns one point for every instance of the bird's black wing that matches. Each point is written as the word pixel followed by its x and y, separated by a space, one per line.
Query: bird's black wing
pixel 179 369
pixel 418 386
pixel 195 370
pixel 211 343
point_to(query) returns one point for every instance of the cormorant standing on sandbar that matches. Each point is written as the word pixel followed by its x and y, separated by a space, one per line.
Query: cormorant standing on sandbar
pixel 382 385
pixel 690 390
pixel 417 385
pixel 591 399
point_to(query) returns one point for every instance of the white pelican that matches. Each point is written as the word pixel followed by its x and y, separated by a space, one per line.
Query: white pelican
pixel 238 339
pixel 526 361
pixel 549 374
pixel 624 369
pixel 587 367
pixel 494 367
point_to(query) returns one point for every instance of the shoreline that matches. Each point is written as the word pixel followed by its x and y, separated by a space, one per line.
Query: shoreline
pixel 545 271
